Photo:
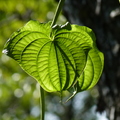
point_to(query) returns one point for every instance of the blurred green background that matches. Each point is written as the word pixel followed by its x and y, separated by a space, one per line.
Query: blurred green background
pixel 19 93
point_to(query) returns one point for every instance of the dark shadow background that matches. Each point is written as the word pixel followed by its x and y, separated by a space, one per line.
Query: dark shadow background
pixel 103 16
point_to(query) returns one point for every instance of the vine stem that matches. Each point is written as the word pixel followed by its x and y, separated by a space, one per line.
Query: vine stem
pixel 57 12
pixel 42 97
pixel 42 102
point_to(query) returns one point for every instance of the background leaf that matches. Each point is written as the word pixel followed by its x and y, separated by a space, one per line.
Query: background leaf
pixel 92 71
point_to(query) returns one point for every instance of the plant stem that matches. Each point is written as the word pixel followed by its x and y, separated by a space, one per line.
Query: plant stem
pixel 42 102
pixel 58 10
pixel 42 97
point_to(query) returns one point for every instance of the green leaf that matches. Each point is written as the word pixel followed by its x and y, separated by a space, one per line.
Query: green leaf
pixel 55 57
pixel 51 56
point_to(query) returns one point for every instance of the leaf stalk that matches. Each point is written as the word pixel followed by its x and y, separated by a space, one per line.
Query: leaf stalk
pixel 57 12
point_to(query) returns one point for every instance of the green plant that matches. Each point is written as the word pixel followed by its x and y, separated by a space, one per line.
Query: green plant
pixel 59 57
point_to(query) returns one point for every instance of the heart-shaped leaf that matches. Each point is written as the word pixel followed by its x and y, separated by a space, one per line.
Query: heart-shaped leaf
pixel 55 57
